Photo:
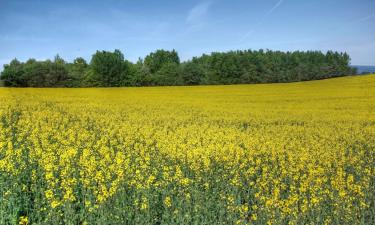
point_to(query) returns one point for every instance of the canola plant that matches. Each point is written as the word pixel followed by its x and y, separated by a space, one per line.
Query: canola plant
pixel 299 153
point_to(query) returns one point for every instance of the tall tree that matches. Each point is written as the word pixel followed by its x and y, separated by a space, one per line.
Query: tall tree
pixel 57 74
pixel 108 68
pixel 163 68
pixel 77 70
pixel 192 73
pixel 155 60
pixel 168 74
pixel 13 74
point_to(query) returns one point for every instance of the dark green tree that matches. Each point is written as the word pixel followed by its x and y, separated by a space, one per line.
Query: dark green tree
pixel 162 67
pixel 108 68
pixel 156 60
pixel 35 73
pixel 13 74
pixel 192 73
pixel 77 71
pixel 168 74
pixel 57 75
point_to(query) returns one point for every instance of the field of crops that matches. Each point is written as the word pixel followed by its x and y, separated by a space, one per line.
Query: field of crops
pixel 299 153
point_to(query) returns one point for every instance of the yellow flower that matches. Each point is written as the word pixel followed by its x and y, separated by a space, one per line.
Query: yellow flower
pixel 144 203
pixel 168 201
pixel 276 152
pixel 55 204
pixel 23 220
pixel 48 194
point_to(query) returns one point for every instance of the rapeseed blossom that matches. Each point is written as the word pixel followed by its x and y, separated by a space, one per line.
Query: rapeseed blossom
pixel 300 153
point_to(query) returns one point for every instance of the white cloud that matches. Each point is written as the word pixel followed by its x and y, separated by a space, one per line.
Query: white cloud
pixel 363 19
pixel 274 8
pixel 198 12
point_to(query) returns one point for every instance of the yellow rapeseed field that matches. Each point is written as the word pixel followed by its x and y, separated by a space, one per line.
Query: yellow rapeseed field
pixel 299 153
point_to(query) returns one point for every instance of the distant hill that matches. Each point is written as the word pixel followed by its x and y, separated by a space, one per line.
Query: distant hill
pixel 364 69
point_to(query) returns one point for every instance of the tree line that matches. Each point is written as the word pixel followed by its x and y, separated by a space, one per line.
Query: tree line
pixel 111 69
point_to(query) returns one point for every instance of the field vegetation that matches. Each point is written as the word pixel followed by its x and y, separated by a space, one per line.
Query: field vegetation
pixel 298 153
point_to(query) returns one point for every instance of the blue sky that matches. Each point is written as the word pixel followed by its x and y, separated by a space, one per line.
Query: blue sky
pixel 41 29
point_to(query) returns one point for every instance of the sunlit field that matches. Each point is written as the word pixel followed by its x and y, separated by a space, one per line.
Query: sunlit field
pixel 298 153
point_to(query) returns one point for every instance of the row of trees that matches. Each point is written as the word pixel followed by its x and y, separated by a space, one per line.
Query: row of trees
pixel 111 69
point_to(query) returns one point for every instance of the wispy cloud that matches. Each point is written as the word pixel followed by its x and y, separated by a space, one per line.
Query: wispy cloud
pixel 14 38
pixel 353 23
pixel 261 21
pixel 198 12
pixel 160 29
pixel 274 7
pixel 363 19
pixel 196 18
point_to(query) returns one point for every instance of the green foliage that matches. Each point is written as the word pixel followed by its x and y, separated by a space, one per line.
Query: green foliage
pixel 168 74
pixel 36 73
pixel 77 71
pixel 192 74
pixel 110 69
pixel 57 74
pixel 12 73
pixel 139 75
pixel 156 60
pixel 236 67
